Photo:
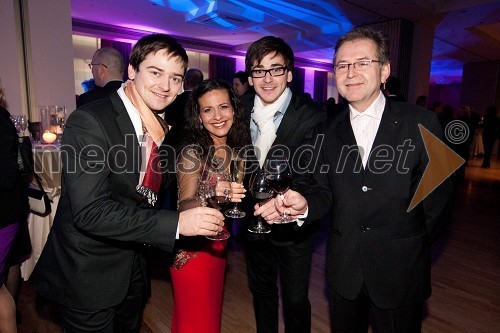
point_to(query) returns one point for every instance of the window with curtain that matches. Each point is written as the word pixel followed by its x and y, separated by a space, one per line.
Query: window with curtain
pixel 221 67
pixel 297 84
pixel 320 86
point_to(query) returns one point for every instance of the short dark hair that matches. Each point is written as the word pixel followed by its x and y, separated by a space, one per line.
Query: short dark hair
pixel 366 33
pixel 239 134
pixel 154 43
pixel 266 45
pixel 242 76
pixel 193 78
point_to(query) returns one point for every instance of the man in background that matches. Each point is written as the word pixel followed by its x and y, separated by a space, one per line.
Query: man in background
pixel 240 84
pixel 107 69
pixel 174 113
pixel 175 117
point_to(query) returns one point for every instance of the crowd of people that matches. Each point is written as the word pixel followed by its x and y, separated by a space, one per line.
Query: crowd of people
pixel 112 206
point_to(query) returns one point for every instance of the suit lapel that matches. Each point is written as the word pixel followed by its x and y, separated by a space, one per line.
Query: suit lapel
pixel 389 127
pixel 127 131
pixel 288 122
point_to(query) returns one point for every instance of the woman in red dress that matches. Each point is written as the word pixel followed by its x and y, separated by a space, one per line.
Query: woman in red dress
pixel 214 125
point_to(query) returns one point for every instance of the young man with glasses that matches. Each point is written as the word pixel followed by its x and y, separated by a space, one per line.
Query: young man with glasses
pixel 93 264
pixel 107 68
pixel 280 122
pixel 378 250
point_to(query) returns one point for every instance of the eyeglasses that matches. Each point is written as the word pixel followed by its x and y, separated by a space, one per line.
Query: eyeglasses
pixel 361 65
pixel 276 71
pixel 90 65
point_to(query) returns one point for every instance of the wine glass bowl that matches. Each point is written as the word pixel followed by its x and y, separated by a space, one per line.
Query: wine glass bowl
pixel 262 193
pixel 22 125
pixel 211 197
pixel 280 178
pixel 237 171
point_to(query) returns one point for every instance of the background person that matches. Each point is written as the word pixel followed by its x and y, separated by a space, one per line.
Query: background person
pixel 14 208
pixel 107 69
pixel 241 85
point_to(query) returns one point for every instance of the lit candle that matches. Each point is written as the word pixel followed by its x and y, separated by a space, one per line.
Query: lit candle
pixel 49 137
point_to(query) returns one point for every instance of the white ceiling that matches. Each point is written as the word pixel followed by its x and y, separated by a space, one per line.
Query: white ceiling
pixel 466 30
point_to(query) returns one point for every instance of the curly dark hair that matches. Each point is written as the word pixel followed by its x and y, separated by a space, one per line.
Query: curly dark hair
pixel 239 134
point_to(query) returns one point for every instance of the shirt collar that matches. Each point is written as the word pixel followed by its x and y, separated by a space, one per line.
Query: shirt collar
pixel 375 110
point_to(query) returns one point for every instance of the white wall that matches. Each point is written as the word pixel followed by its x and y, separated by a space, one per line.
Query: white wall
pixel 11 60
pixel 49 55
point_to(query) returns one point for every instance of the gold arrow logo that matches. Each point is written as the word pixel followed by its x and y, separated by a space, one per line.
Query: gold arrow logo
pixel 443 161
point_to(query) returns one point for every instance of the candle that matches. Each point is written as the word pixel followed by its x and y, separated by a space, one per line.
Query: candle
pixel 49 137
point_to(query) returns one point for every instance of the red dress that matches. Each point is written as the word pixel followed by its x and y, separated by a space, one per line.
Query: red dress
pixel 198 286
pixel 197 272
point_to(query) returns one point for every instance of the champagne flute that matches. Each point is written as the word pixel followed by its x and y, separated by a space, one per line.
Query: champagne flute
pixel 237 170
pixel 215 200
pixel 262 193
pixel 280 178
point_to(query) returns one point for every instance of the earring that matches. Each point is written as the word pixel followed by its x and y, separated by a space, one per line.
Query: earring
pixel 383 86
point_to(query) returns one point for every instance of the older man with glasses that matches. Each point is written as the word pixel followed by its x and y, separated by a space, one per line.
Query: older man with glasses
pixel 107 69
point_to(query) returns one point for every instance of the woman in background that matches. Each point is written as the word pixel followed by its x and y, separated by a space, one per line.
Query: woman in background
pixel 13 208
pixel 215 125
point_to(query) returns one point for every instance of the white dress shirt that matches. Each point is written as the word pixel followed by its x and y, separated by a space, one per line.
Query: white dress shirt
pixel 365 126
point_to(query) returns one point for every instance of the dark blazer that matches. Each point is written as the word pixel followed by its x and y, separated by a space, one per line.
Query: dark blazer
pixel 98 92
pixel 13 189
pixel 296 131
pixel 99 228
pixel 373 240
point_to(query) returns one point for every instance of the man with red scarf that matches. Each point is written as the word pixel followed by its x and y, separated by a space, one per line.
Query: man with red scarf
pixel 113 154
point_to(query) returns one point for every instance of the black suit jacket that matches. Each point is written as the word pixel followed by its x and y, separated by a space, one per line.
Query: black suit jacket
pixel 99 228
pixel 373 240
pixel 295 138
pixel 13 188
pixel 98 92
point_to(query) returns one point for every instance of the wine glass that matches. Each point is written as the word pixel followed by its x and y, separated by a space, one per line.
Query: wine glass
pixel 237 170
pixel 22 125
pixel 262 193
pixel 60 113
pixel 211 197
pixel 279 174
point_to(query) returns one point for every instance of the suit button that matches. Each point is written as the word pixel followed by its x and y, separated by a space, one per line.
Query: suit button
pixel 364 189
pixel 364 228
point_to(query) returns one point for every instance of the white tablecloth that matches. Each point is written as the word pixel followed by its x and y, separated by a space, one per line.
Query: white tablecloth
pixel 48 167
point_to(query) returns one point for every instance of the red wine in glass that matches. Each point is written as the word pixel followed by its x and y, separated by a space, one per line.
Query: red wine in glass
pixel 262 193
pixel 215 201
pixel 280 178
pixel 262 197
